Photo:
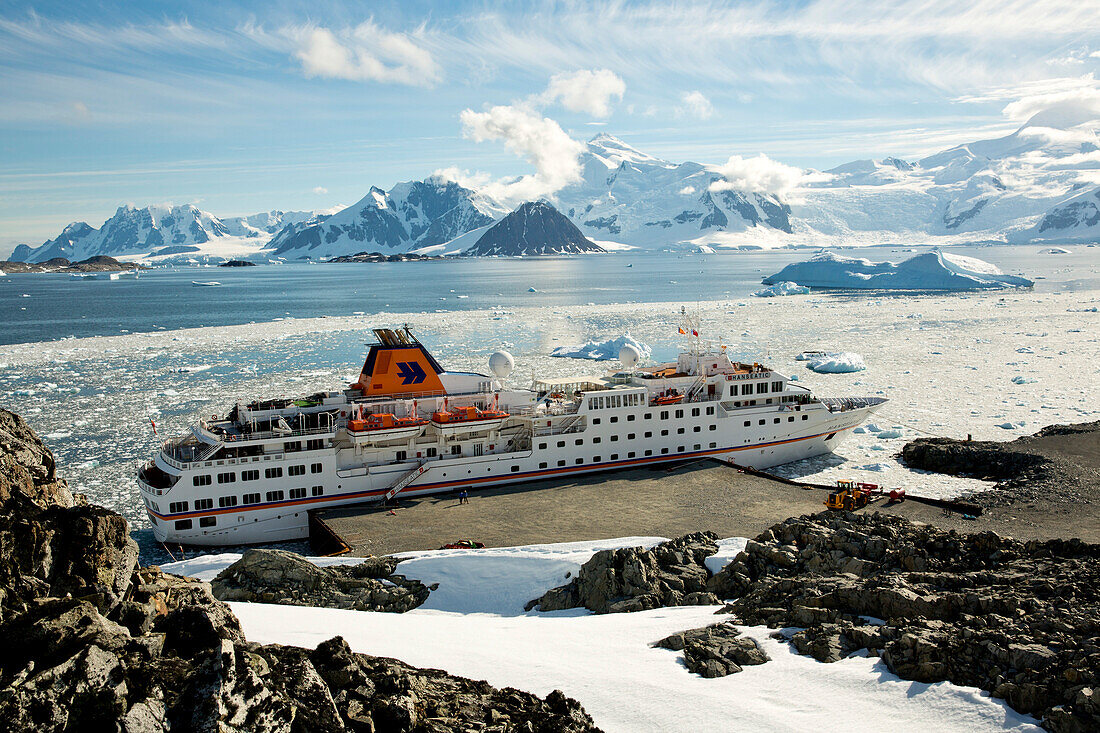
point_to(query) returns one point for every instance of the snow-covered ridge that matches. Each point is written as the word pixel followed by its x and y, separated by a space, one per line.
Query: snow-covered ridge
pixel 929 271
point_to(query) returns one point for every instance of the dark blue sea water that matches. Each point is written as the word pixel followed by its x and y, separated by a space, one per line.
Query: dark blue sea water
pixel 49 307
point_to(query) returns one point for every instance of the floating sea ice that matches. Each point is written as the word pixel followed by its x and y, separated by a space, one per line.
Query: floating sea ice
pixel 872 428
pixel 1023 380
pixel 59 434
pixel 1010 425
pixel 860 429
pixel 888 434
pixel 782 289
pixel 876 467
pixel 531 290
pixel 602 350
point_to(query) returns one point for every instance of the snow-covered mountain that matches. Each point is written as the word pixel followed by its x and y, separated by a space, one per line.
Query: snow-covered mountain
pixel 534 228
pixel 411 215
pixel 265 224
pixel 630 197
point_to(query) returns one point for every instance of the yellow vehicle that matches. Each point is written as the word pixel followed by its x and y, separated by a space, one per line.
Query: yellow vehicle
pixel 849 496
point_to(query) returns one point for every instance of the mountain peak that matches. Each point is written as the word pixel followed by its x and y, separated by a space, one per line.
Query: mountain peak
pixel 533 228
pixel 613 152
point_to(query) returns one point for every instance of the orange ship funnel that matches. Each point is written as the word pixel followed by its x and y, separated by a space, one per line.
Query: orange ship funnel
pixel 399 364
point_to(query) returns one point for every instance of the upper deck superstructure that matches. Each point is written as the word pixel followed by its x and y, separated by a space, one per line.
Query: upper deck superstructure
pixel 409 426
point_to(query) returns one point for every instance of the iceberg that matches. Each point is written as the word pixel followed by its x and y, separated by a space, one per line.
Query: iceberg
pixel 841 363
pixel 781 289
pixel 602 350
pixel 929 271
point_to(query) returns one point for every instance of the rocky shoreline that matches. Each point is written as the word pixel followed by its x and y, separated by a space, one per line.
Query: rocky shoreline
pixel 99 263
pixel 94 642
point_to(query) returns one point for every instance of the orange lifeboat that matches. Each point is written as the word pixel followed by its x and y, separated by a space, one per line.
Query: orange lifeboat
pixel 384 427
pixel 668 399
pixel 461 420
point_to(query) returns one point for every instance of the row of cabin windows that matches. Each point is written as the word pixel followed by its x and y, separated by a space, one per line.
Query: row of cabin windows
pixel 755 387
pixel 776 420
pixel 225 502
pixel 254 475
pixel 615 456
pixel 612 401
pixel 629 436
pixel 291 446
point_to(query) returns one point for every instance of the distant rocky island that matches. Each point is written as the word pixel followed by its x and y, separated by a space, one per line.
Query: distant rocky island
pixel 99 263
pixel 380 257
pixel 237 263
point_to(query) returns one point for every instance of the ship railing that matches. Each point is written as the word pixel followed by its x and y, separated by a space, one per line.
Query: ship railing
pixel 843 404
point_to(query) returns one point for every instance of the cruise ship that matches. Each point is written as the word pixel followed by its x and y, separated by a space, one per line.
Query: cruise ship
pixel 408 427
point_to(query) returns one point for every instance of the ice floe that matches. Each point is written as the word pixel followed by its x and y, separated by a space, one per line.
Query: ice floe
pixel 929 271
pixel 602 350
pixel 840 363
pixel 781 289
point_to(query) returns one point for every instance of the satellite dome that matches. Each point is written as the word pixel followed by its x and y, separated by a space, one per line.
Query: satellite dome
pixel 501 364
pixel 629 356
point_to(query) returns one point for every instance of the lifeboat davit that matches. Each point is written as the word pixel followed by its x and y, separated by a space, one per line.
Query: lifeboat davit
pixel 385 427
pixel 461 420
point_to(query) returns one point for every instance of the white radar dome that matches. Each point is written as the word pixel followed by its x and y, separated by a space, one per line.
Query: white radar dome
pixel 501 363
pixel 629 356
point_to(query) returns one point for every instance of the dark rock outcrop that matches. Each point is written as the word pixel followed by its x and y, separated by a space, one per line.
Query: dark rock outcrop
pixel 673 573
pixel 92 642
pixel 1057 464
pixel 277 576
pixel 1021 620
pixel 534 228
pixel 714 651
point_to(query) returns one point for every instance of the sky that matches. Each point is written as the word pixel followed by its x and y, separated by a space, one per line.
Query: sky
pixel 252 106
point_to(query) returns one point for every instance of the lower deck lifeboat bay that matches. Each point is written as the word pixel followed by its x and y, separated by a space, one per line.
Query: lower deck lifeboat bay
pixel 408 426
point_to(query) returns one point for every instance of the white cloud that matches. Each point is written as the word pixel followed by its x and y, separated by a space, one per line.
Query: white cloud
pixel 696 105
pixel 1065 108
pixel 320 190
pixel 760 174
pixel 366 52
pixel 589 91
pixel 687 190
pixel 538 139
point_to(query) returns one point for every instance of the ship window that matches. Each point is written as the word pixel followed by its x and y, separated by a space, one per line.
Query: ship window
pixel 177 506
pixel 591 403
pixel 203 480
pixel 201 504
pixel 614 418
pixel 542 446
pixel 315 444
pixel 664 433
pixel 631 436
pixel 762 388
pixel 250 475
pixel 227 478
pixel 713 427
pixel 664 414
pixel 400 456
pixel 790 419
pixel 579 461
pixel 578 441
pixel 595 421
pixel 713 445
pixel 747 423
pixel 697 446
pixel 777 386
pixel 250 499
pixel 648 416
pixel 746 389
pixel 733 390
pixel 664 450
pixel 618 400
pixel 710 410
pixel 296 470
pixel 597 439
pixel 776 420
pixel 315 467
pixel 318 490
pixel 456 450
pixel 273 472
pixel 805 417
pixel 561 443
pixel 614 438
pixel 297 493
pixel 679 413
pixel 542 465
pixel 679 431
pixel 649 452
pixel 226 501
pixel 515 469
pixel 292 445
pixel 561 463
pixel 430 452
pixel 595 459
pixel 695 412
pixel 648 434
pixel 630 418
pixel 274 496
pixel 208 521
pixel 183 524
pixel 763 421
pixel 600 403
pixel 630 454
pixel 680 449
pixel 696 429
